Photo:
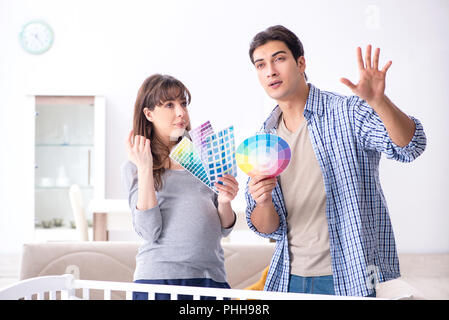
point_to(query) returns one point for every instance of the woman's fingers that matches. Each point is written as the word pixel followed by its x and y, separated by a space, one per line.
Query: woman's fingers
pixel 139 143
pixel 142 143
pixel 130 138
pixel 230 184
pixel 147 145
pixel 229 180
pixel 223 192
pixel 139 150
pixel 136 142
pixel 225 188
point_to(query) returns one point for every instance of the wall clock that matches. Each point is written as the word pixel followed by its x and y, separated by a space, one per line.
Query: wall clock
pixel 36 37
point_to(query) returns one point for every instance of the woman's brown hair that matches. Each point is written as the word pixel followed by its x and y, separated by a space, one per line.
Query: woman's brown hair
pixel 154 91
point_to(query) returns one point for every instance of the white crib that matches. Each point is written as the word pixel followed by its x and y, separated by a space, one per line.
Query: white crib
pixel 63 287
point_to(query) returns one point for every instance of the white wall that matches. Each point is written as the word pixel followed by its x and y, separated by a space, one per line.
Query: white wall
pixel 110 47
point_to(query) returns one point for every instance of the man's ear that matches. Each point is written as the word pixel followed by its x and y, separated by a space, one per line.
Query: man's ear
pixel 148 114
pixel 301 63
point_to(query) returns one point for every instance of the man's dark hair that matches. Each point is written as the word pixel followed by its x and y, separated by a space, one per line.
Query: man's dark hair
pixel 280 33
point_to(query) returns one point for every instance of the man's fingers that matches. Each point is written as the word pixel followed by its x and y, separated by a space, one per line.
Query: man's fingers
pixel 376 59
pixel 262 189
pixel 387 66
pixel 360 59
pixel 348 83
pixel 368 57
pixel 264 184
pixel 261 198
pixel 256 179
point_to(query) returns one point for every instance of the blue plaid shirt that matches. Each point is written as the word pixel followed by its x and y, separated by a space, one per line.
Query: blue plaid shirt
pixel 348 138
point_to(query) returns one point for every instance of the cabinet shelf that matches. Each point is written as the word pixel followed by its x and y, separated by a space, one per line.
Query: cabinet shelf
pixel 63 145
pixel 59 234
pixel 69 148
pixel 60 187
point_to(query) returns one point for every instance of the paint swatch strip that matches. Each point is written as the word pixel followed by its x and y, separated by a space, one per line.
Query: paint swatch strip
pixel 220 150
pixel 185 154
pixel 198 136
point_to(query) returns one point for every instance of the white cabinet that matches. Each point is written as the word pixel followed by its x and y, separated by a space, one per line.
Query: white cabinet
pixel 69 148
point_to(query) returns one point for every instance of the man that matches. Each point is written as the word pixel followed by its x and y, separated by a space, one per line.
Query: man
pixel 327 211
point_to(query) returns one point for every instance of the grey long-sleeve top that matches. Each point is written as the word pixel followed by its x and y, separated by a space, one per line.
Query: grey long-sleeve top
pixel 182 234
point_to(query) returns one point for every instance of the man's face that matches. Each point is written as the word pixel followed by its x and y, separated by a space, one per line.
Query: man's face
pixel 278 72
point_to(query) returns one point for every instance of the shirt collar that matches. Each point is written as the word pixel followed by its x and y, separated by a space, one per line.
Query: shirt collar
pixel 313 105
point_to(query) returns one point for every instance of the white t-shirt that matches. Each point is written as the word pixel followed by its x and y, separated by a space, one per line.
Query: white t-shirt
pixel 302 186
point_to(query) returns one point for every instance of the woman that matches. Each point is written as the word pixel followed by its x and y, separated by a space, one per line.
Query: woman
pixel 180 219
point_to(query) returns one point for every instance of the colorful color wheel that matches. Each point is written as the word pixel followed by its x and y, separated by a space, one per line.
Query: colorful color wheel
pixel 263 154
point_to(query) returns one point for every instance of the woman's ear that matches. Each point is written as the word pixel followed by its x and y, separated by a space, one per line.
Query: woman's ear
pixel 148 114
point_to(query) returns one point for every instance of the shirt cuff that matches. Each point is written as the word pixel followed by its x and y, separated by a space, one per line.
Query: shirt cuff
pixel 148 223
pixel 415 147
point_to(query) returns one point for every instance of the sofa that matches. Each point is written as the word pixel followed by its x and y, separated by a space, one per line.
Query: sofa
pixel 244 264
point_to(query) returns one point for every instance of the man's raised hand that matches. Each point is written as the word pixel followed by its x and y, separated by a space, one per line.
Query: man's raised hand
pixel 371 86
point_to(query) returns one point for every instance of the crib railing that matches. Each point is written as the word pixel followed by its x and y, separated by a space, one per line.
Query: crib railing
pixel 49 286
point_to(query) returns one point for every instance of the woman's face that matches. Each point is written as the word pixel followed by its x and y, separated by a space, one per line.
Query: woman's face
pixel 170 119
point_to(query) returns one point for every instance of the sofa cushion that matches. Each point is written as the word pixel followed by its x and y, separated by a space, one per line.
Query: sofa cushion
pixel 115 261
pixel 423 275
